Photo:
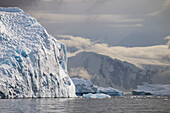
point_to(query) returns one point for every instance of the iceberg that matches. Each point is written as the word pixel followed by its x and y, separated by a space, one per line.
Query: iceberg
pixel 86 86
pixel 110 91
pixel 97 95
pixel 152 89
pixel 32 62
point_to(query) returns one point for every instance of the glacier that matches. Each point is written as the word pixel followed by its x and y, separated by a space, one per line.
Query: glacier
pixel 84 86
pixel 152 89
pixel 32 62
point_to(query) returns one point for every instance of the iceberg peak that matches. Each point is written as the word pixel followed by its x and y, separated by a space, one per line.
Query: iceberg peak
pixel 10 9
pixel 32 62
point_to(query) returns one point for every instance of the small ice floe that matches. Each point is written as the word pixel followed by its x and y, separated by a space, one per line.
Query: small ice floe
pixel 97 95
pixel 110 91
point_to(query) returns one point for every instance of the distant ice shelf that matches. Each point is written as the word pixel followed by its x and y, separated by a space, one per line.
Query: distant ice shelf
pixel 32 62
pixel 152 89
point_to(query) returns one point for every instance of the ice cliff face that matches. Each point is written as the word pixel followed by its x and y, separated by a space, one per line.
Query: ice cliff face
pixel 32 62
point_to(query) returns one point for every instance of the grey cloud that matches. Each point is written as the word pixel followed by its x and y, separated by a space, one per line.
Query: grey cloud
pixel 24 4
pixel 115 22
pixel 168 38
pixel 135 55
pixel 79 72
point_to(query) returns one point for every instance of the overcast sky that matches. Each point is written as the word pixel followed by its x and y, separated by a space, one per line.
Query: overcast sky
pixel 115 22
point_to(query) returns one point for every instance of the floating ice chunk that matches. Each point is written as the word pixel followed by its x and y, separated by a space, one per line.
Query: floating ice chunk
pixel 152 89
pixel 97 95
pixel 110 91
pixel 86 86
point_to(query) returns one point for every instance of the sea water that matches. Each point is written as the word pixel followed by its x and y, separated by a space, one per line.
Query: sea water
pixel 124 104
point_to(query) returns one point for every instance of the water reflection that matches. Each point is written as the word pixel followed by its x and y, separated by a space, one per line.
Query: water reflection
pixel 42 105
pixel 79 105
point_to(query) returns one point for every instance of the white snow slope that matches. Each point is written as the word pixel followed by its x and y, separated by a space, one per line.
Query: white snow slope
pixel 32 62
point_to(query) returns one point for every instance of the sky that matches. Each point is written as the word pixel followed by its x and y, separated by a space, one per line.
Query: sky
pixel 133 30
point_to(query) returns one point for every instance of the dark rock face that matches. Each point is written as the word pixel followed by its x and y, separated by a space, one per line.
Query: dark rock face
pixel 108 72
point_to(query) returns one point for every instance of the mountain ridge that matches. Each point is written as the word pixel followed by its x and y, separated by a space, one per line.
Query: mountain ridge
pixel 107 72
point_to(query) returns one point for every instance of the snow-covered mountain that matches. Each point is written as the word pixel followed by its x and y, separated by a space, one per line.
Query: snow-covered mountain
pixel 107 72
pixel 32 62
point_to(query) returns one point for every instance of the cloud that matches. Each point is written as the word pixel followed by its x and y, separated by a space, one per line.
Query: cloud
pixel 165 8
pixel 17 3
pixel 78 18
pixel 168 38
pixel 109 21
pixel 79 72
pixel 156 55
pixel 47 0
pixel 125 25
pixel 136 55
pixel 78 42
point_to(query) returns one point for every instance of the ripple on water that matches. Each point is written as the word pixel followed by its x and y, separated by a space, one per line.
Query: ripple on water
pixel 129 104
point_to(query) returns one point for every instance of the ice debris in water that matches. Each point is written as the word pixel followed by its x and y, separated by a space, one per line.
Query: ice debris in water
pixel 32 62
pixel 110 91
pixel 86 86
pixel 97 95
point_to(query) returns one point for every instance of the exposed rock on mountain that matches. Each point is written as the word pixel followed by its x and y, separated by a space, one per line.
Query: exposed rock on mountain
pixel 107 72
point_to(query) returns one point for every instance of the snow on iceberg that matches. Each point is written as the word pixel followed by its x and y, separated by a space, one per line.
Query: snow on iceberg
pixel 86 86
pixel 97 95
pixel 152 89
pixel 32 62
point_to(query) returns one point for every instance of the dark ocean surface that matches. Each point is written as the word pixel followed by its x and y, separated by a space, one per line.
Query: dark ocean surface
pixel 124 104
